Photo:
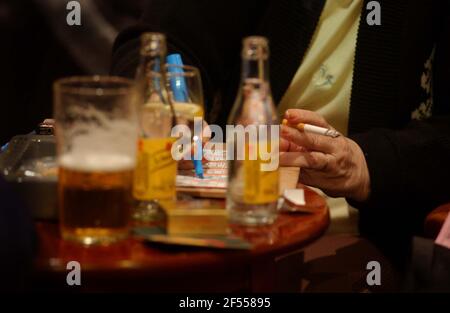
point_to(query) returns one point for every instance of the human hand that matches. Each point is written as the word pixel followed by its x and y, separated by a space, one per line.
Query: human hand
pixel 335 165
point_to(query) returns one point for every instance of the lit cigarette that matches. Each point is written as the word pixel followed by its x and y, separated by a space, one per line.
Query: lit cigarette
pixel 306 128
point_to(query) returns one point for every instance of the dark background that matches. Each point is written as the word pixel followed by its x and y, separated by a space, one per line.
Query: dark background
pixel 38 47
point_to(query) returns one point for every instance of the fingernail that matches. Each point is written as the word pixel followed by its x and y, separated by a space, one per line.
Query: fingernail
pixel 287 114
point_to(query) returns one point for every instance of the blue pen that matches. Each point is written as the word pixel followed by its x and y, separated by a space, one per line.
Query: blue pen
pixel 179 89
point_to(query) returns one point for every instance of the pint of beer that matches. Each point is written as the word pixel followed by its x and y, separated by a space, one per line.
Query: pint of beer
pixel 96 129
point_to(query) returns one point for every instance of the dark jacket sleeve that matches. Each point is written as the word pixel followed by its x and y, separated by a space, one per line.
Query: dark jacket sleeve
pixel 208 34
pixel 409 168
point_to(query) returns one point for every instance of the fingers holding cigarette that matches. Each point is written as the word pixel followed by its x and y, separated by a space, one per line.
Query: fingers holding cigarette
pixel 296 116
pixel 309 141
pixel 308 121
pixel 307 128
pixel 330 161
pixel 299 136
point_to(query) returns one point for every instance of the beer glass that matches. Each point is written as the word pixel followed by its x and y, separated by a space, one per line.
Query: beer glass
pixel 96 132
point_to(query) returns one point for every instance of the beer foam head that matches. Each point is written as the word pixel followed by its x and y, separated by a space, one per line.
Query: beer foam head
pixel 92 130
pixel 97 162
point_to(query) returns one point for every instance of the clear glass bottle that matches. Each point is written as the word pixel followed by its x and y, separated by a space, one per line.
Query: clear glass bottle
pixel 253 178
pixel 155 175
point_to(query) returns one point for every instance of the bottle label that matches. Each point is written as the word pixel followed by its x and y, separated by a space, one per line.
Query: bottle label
pixel 261 187
pixel 156 170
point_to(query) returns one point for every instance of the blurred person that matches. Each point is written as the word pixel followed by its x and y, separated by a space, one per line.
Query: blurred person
pixel 382 86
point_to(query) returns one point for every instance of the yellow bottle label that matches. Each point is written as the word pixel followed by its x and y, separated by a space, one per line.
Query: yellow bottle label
pixel 260 187
pixel 156 170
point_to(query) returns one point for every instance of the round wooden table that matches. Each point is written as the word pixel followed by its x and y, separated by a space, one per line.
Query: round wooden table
pixel 134 266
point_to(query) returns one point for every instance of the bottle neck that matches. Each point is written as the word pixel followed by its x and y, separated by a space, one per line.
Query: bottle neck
pixel 151 75
pixel 255 69
pixel 255 78
pixel 151 63
pixel 153 52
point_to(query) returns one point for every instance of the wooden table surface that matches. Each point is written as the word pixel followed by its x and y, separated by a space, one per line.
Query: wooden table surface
pixel 135 266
